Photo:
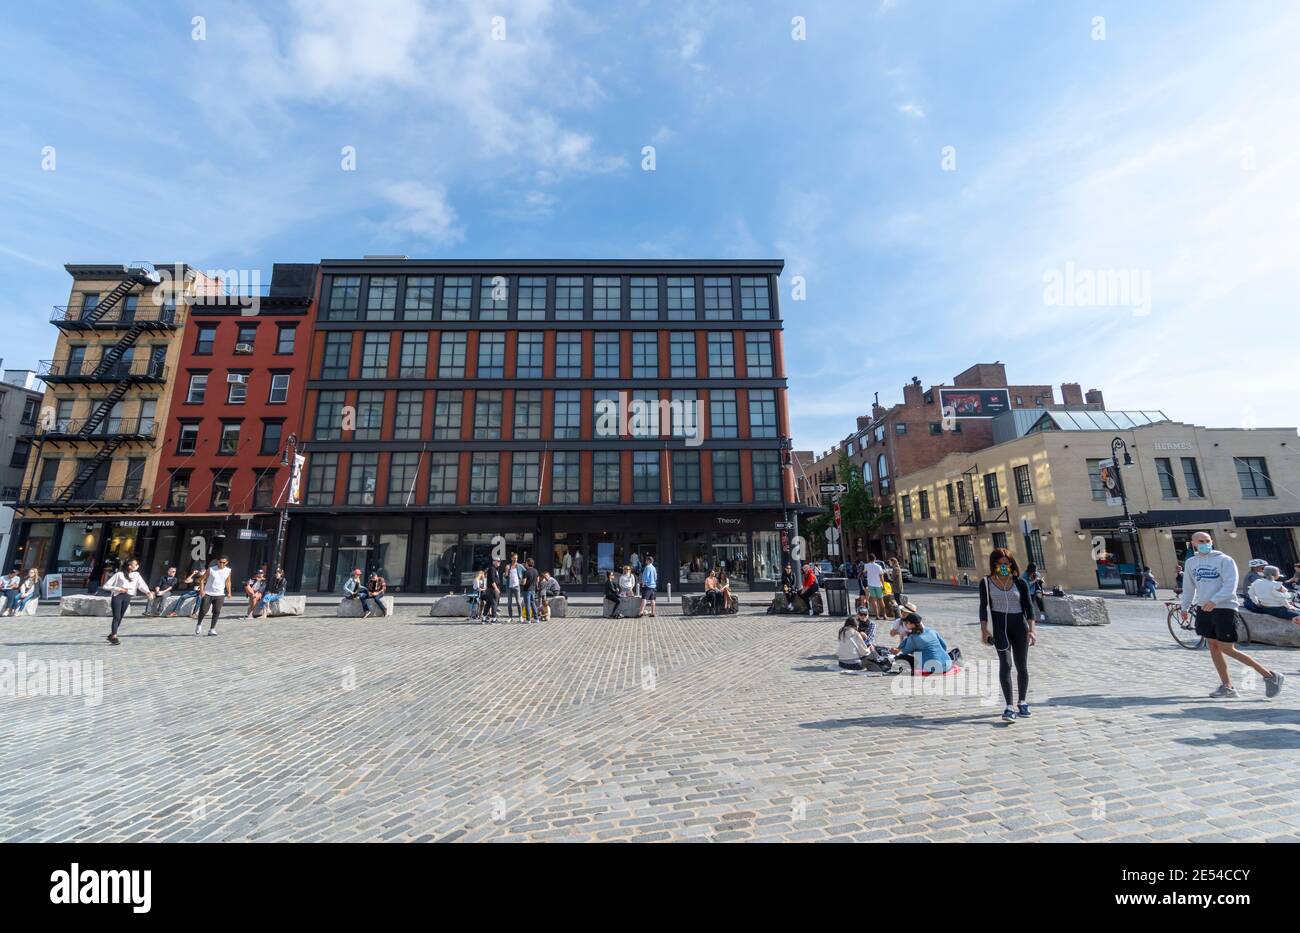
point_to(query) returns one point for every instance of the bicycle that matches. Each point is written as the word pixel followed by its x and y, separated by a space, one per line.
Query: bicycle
pixel 1184 629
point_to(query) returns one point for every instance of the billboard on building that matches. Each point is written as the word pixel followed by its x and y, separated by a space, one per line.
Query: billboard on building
pixel 974 403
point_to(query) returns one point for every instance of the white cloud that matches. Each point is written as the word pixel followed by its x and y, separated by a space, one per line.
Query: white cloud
pixel 422 213
pixel 912 110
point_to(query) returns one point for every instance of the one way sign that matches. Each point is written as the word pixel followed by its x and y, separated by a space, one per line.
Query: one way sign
pixel 833 489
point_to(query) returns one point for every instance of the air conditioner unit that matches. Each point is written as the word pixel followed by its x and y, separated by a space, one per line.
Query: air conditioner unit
pixel 243 348
pixel 241 378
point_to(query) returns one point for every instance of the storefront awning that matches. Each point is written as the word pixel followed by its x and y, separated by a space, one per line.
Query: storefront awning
pixel 1161 518
pixel 1276 520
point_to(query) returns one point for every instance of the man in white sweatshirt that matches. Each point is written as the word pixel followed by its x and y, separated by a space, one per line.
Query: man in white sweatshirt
pixel 1210 590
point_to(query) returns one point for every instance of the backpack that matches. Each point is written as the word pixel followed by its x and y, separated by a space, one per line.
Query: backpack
pixel 881 661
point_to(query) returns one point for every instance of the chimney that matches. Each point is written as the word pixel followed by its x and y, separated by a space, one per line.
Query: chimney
pixel 912 393
pixel 1071 395
pixel 1093 397
pixel 877 411
pixel 864 421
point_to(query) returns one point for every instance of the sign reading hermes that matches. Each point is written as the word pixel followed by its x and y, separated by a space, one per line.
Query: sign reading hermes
pixel 1171 445
pixel 974 403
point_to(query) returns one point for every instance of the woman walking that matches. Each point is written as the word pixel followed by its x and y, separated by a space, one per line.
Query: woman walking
pixel 121 586
pixel 1004 601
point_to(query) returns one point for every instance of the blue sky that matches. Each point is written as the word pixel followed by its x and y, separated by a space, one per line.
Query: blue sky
pixel 1169 148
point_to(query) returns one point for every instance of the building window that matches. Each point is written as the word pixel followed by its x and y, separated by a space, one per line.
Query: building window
pixel 762 413
pixel 206 339
pixel 1024 487
pixel 1165 471
pixel 726 476
pixel 178 494
pixel 645 476
pixel 531 299
pixel 188 441
pixel 568 298
pixel 271 433
pixel 528 415
pixel 568 355
pixel 236 388
pixel 1192 478
pixel 952 502
pixel 18 459
pixel 606 298
pixel 285 338
pixel 1252 474
pixel 604 476
pixel 604 413
pixel 999 539
pixel 484 476
pixel 444 469
pixel 264 490
pixel 645 355
pixel 991 497
pixel 681 355
pixel 198 388
pixel 565 477
pixel 754 304
pixel 374 355
pixel 220 491
pixel 766 469
pixel 381 298
pixel 415 354
pixel 923 500
pixel 607 356
pixel 279 393
pixel 370 415
pixel 408 416
pixel 363 474
pixel 907 507
pixel 528 358
pixel 962 548
pixel 322 475
pixel 961 495
pixel 491 356
pixel 717 299
pixel 451 356
pixel 722 413
pixel 456 291
pixel 1094 479
pixel 345 293
pixel 402 468
pixel 936 427
pixel 722 356
pixel 758 354
pixel 681 299
pixel 493 298
pixel 644 298
pixel 686 476
pixel 338 355
pixel 229 443
pixel 643 413
pixel 1034 547
pixel 487 415
pixel 448 412
pixel 568 414
pixel 900 428
pixel 684 415
pixel 329 416
pixel 421 292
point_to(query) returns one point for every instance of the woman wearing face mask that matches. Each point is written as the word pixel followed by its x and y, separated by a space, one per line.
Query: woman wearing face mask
pixel 1004 599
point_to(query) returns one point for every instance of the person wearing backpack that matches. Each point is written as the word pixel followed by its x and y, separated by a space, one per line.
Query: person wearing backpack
pixel 1004 601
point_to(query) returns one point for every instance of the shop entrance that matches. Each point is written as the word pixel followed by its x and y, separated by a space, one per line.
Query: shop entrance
pixel 1274 545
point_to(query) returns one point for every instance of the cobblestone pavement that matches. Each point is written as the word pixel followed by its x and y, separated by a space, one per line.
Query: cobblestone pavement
pixel 674 728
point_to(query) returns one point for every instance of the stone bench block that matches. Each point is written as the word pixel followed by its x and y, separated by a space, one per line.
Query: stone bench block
pixel 1076 610
pixel 87 606
pixel 559 607
pixel 455 605
pixel 288 606
pixel 351 608
pixel 695 605
pixel 1270 630
pixel 30 608
pixel 628 606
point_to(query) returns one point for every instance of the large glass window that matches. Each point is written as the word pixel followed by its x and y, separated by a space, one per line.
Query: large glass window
pixel 681 299
pixel 644 298
pixel 686 476
pixel 1024 487
pixel 923 500
pixel 444 468
pixel 363 475
pixel 684 414
pixel 448 413
pixel 322 475
pixel 484 478
pixel 758 354
pixel 528 415
pixel 1192 478
pixel 1252 474
pixel 568 298
pixel 645 355
pixel 568 414
pixel 528 359
pixel 345 294
pixel 525 474
pixel 1094 479
pixel 643 414
pixel 402 469
pixel 606 298
pixel 962 549
pixel 607 355
pixel 991 497
pixel 604 413
pixel 645 476
pixel 374 355
pixel 337 356
pixel 722 356
pixel 487 414
pixel 329 416
pixel 531 299
pixel 726 476
pixel 722 413
pixel 421 293
pixel 441 568
pixel 409 415
pixel 681 354
pixel 370 415
pixel 762 413
pixel 754 303
pixel 381 298
pixel 767 476
pixel 493 298
pixel 565 477
pixel 415 354
pixel 1165 472
pixel 568 355
pixel 604 476
pixel 491 355
pixel 767 556
pixel 717 299
pixel 456 291
pixel 451 355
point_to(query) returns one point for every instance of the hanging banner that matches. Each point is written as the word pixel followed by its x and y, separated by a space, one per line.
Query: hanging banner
pixel 1110 482
pixel 295 480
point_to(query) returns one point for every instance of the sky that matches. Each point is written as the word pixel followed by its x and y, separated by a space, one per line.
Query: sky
pixel 950 181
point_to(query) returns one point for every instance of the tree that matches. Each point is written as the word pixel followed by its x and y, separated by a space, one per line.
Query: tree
pixel 858 510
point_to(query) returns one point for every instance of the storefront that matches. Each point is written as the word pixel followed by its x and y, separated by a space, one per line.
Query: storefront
pixel 441 552
pixel 1167 530
pixel 1272 537
pixel 86 551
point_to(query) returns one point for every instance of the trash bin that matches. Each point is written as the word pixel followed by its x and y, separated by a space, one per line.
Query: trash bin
pixel 1132 583
pixel 835 593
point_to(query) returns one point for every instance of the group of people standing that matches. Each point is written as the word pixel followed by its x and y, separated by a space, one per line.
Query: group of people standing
pixel 526 592
pixel 626 585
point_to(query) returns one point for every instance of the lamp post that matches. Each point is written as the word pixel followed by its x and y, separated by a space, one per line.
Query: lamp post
pixel 786 458
pixel 277 552
pixel 1116 446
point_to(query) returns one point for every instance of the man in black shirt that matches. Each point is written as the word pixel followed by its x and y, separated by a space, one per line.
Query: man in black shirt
pixel 166 583
pixel 530 591
pixel 492 592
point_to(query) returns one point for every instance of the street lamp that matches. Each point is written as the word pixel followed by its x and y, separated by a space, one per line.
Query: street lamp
pixel 1117 445
pixel 277 552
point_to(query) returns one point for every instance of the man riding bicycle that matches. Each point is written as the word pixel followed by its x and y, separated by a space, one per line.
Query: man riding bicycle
pixel 1210 590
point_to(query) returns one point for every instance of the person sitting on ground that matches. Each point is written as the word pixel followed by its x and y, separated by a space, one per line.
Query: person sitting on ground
pixel 255 589
pixel 376 589
pixel 856 643
pixel 1148 584
pixel 789 586
pixel 1269 596
pixel 613 594
pixel 1256 571
pixel 898 628
pixel 935 655
pixel 274 591
pixel 809 589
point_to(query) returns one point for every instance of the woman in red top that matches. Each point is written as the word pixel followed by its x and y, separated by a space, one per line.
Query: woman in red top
pixel 809 587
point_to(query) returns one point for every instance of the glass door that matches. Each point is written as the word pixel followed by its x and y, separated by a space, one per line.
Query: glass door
pixel 316 559
pixel 353 552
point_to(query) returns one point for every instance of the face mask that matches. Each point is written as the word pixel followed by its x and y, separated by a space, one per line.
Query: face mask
pixel 1004 570
pixel 1205 548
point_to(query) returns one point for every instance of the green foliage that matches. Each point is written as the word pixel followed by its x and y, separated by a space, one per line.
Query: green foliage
pixel 858 510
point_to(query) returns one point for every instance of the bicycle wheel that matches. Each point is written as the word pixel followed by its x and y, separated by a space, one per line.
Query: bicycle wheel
pixel 1184 632
pixel 1243 630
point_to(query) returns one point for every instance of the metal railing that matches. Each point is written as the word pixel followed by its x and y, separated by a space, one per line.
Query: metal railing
pixel 130 495
pixel 147 370
pixel 118 316
pixel 109 427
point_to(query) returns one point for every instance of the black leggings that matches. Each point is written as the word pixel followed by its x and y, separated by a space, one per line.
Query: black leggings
pixel 119 601
pixel 1011 638
pixel 216 602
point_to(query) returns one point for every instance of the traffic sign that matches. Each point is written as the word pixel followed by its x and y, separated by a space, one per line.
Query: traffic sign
pixel 784 526
pixel 1126 525
pixel 833 489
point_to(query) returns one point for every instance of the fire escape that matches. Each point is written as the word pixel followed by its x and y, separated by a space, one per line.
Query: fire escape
pixel 116 372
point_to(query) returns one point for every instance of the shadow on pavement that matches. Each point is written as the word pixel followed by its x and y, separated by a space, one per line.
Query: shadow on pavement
pixel 1247 738
pixel 1236 712
pixel 905 721
pixel 1102 701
